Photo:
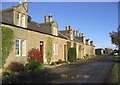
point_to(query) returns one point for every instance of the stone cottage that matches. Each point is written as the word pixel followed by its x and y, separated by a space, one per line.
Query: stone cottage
pixel 30 34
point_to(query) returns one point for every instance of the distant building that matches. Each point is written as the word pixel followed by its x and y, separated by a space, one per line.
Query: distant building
pixel 108 51
pixel 99 51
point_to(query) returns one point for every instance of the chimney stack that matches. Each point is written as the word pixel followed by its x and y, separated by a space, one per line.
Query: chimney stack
pixel 50 18
pixel 82 35
pixel 74 32
pixel 83 38
pixel 46 18
pixel 88 41
pixel 20 1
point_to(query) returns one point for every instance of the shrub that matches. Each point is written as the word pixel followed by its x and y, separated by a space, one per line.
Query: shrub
pixel 15 67
pixel 5 73
pixel 59 61
pixel 34 65
pixel 53 63
pixel 72 54
pixel 64 61
pixel 48 50
pixel 35 54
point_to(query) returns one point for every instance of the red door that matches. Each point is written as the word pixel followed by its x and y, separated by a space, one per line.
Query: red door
pixel 65 52
pixel 41 51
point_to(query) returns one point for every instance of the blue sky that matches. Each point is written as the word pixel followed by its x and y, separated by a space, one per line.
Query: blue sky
pixel 94 19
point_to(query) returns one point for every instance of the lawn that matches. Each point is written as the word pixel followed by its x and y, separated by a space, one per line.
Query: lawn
pixel 116 70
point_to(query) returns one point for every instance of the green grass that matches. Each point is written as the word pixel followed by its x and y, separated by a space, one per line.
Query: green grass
pixel 116 70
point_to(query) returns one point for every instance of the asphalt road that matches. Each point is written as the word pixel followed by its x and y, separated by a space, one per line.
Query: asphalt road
pixel 95 71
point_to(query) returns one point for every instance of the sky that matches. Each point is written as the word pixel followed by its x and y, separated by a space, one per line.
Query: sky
pixel 95 19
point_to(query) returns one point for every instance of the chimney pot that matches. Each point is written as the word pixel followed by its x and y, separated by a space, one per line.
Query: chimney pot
pixel 70 27
pixel 67 28
pixel 50 18
pixel 91 42
pixel 46 18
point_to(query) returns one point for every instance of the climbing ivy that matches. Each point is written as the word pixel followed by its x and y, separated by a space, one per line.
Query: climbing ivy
pixel 68 47
pixel 7 42
pixel 79 51
pixel 49 50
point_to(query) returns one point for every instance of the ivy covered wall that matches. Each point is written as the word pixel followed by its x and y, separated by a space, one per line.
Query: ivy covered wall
pixel 0 47
pixel 7 42
pixel 49 49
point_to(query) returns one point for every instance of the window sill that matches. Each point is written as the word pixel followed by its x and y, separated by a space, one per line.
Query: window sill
pixel 17 55
pixel 23 55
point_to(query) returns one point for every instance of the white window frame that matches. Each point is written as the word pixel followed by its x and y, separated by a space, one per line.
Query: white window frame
pixel 19 46
pixel 55 49
pixel 23 48
pixel 23 20
pixel 55 32
pixel 18 19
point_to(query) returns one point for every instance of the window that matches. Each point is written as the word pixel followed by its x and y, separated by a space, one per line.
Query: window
pixel 23 47
pixel 55 31
pixel 55 49
pixel 18 19
pixel 23 20
pixel 17 48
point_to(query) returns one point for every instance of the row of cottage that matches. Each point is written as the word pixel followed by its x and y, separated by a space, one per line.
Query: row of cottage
pixel 30 34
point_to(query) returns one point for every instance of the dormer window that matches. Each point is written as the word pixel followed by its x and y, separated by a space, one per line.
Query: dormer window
pixel 55 31
pixel 18 19
pixel 23 20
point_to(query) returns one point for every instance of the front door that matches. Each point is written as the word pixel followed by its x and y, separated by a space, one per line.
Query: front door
pixel 65 52
pixel 41 51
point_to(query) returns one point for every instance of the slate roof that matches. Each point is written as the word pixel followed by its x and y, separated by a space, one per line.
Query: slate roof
pixel 62 36
pixel 7 18
pixel 80 39
pixel 45 28
pixel 76 39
